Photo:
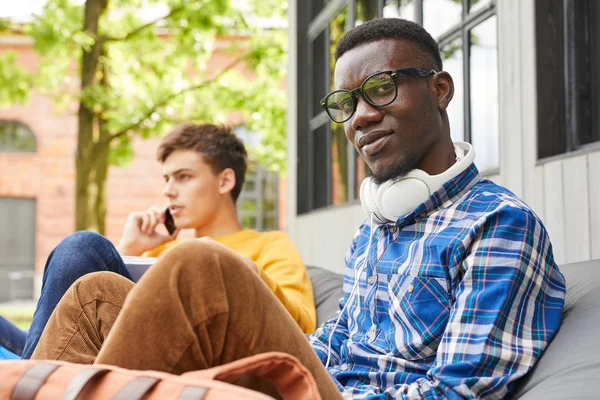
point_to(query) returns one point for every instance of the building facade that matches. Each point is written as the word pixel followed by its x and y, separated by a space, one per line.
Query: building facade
pixel 527 96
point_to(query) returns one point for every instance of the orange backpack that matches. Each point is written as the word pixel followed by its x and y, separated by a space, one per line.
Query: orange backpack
pixel 33 379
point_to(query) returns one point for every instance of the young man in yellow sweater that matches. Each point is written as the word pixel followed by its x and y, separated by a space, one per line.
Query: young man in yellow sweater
pixel 204 168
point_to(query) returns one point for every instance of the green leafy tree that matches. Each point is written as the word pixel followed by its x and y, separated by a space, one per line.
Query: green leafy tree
pixel 137 78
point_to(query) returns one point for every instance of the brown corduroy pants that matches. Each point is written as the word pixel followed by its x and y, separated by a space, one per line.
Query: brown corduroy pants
pixel 201 305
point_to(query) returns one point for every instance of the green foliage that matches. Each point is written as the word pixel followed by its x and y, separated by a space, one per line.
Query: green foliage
pixel 4 24
pixel 16 82
pixel 155 74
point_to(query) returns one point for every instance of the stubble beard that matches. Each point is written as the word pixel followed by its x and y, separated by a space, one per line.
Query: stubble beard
pixel 403 166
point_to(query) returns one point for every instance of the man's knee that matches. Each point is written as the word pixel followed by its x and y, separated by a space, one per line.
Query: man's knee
pixel 82 240
pixel 203 255
pixel 80 246
pixel 103 286
pixel 80 253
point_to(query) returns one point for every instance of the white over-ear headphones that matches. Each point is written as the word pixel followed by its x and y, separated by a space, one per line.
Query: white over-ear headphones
pixel 395 198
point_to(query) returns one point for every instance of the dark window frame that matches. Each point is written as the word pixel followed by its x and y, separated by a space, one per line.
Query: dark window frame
pixel 567 46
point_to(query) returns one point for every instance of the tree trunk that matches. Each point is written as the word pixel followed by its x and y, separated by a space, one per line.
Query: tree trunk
pixel 87 120
pixel 101 154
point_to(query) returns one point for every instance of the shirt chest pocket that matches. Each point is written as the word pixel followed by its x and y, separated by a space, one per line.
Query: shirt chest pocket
pixel 419 311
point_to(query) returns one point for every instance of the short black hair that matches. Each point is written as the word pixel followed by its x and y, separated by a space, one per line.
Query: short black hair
pixel 391 28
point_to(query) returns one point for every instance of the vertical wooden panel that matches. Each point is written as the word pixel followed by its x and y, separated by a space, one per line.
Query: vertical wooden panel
pixel 533 176
pixel 496 178
pixel 324 236
pixel 509 93
pixel 554 208
pixel 577 216
pixel 536 195
pixel 303 238
pixel 594 186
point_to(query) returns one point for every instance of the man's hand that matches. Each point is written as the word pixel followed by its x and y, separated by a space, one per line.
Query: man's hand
pixel 140 233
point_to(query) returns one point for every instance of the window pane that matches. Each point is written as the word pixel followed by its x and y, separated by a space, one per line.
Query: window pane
pixel 337 28
pixel 399 9
pixel 339 164
pixel 440 15
pixel 16 136
pixel 475 5
pixel 595 61
pixel 318 73
pixel 366 10
pixel 587 94
pixel 452 57
pixel 269 223
pixel 484 94
pixel 320 167
pixel 339 144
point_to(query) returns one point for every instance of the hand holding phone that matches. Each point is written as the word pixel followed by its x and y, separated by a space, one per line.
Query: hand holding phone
pixel 140 234
pixel 169 223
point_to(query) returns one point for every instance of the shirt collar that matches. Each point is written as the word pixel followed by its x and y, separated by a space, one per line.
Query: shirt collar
pixel 444 197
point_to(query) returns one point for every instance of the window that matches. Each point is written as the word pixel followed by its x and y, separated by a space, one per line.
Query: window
pixel 568 86
pixel 467 35
pixel 329 170
pixel 483 93
pixel 341 150
pixel 16 137
pixel 257 204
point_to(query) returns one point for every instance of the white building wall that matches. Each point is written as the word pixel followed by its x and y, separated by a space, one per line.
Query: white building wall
pixel 563 191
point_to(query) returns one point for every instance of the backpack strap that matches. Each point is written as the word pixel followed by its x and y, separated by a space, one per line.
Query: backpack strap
pixel 136 389
pixel 80 380
pixel 192 393
pixel 31 381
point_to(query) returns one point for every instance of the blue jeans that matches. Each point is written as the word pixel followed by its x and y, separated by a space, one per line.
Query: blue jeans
pixel 12 340
pixel 80 253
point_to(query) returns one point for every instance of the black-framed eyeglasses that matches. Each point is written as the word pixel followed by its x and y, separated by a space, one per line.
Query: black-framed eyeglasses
pixel 379 90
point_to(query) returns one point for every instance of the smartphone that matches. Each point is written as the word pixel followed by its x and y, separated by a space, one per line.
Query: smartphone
pixel 169 223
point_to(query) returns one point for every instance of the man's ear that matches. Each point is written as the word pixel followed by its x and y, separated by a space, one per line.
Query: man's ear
pixel 444 88
pixel 226 181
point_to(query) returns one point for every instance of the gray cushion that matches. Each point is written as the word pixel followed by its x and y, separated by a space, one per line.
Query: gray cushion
pixel 327 287
pixel 570 366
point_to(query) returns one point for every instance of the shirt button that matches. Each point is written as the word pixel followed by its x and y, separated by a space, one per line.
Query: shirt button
pixel 344 367
pixel 371 280
pixel 371 333
pixel 411 288
pixel 393 229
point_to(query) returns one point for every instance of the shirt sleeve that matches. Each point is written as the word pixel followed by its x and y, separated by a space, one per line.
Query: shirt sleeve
pixel 507 309
pixel 282 269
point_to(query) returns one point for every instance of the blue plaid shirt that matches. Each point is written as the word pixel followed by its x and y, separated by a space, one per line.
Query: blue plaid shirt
pixel 458 299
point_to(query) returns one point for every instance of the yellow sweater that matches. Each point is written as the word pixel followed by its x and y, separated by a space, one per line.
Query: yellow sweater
pixel 279 265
